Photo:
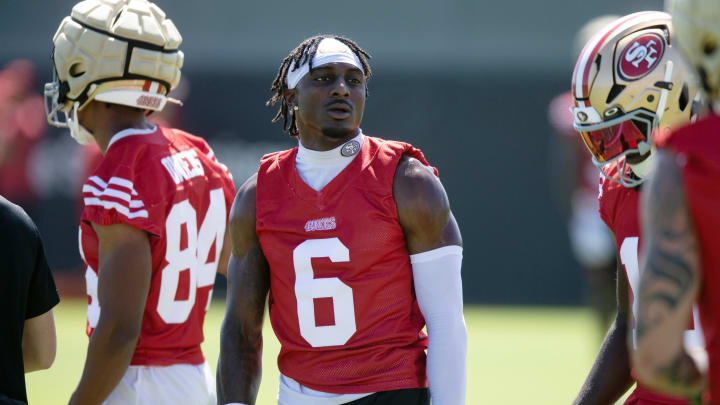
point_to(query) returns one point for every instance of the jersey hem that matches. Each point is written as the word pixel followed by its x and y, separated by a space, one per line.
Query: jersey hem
pixel 641 392
pixel 194 358
pixel 364 389
pixel 111 217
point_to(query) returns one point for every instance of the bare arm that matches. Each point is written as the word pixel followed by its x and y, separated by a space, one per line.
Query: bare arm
pixel 610 377
pixel 423 208
pixel 123 284
pixel 224 254
pixel 240 364
pixel 433 240
pixel 39 342
pixel 669 285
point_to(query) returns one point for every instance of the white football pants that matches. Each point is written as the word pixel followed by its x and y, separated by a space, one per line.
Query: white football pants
pixel 176 384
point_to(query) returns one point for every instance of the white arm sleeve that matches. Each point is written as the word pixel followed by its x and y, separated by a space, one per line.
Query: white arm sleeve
pixel 438 287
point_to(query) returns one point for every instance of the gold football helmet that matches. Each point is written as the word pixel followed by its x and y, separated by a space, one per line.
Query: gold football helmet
pixel 630 82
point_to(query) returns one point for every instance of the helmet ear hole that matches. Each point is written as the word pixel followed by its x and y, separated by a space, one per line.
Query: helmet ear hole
pixel 77 70
pixel 684 97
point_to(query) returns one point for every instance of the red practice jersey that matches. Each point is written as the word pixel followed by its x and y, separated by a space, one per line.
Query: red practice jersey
pixel 698 152
pixel 341 301
pixel 619 207
pixel 169 184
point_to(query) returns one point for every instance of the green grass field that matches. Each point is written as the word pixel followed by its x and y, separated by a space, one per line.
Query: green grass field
pixel 515 355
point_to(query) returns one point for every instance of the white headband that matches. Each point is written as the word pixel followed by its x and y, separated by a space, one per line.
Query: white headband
pixel 329 50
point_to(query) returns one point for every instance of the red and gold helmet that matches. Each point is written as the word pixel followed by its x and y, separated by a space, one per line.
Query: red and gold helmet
pixel 630 82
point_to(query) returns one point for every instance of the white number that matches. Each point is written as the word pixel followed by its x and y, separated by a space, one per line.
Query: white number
pixel 171 310
pixel 93 311
pixel 91 283
pixel 308 288
pixel 212 230
pixel 629 259
pixel 194 258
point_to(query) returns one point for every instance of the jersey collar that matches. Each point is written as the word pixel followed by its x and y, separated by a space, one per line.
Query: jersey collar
pixel 129 132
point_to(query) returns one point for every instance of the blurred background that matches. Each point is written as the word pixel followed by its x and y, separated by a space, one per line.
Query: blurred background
pixel 469 82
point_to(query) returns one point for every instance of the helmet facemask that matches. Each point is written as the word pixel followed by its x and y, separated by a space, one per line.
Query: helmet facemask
pixel 616 139
pixel 53 106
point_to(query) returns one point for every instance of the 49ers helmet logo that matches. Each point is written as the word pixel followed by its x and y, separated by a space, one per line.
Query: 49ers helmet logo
pixel 641 56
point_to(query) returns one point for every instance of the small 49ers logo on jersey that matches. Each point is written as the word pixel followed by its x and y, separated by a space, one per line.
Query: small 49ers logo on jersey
pixel 641 56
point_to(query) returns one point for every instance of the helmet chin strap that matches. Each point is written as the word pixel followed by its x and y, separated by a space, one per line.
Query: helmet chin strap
pixel 77 131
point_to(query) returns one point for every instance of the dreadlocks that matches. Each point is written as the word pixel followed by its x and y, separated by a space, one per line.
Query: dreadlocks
pixel 304 53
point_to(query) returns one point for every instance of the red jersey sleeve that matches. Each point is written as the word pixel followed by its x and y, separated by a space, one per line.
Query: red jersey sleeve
pixel 396 148
pixel 417 154
pixel 117 192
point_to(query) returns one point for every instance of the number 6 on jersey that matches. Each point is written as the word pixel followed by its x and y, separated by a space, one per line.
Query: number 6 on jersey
pixel 308 288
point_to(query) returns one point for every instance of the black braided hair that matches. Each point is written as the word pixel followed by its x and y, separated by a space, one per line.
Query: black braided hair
pixel 305 53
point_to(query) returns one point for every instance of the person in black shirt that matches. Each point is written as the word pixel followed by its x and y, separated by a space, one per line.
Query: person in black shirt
pixel 27 296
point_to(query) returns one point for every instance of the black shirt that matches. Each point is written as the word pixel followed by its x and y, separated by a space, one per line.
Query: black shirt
pixel 27 290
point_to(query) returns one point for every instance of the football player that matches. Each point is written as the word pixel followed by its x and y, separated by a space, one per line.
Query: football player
pixel 630 84
pixel 682 227
pixel 353 238
pixel 152 229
